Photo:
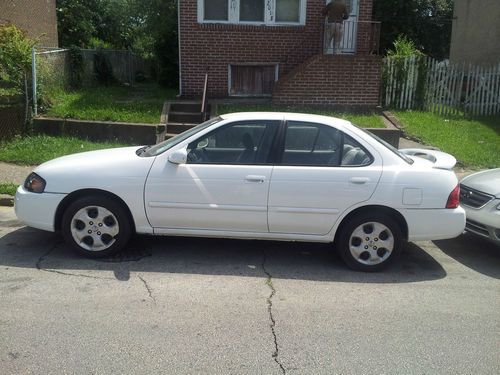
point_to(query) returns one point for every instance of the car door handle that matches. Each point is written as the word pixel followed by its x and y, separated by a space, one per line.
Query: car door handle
pixel 359 180
pixel 255 178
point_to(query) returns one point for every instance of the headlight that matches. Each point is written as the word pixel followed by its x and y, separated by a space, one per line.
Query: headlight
pixel 498 207
pixel 34 183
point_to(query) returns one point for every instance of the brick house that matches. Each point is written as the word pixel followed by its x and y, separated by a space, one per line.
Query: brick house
pixel 276 48
pixel 37 18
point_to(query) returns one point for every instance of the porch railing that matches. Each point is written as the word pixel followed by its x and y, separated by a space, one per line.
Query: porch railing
pixel 351 37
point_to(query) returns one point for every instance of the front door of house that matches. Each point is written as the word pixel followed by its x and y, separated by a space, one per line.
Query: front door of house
pixel 348 31
pixel 252 80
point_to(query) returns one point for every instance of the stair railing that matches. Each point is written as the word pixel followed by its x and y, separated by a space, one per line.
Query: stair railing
pixel 204 98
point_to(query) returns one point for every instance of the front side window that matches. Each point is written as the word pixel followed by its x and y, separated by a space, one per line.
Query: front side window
pixel 245 142
pixel 216 10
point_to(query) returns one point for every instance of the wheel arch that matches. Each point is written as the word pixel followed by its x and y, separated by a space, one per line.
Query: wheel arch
pixel 77 194
pixel 391 212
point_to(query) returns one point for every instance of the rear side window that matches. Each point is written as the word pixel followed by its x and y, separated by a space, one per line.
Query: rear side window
pixel 312 144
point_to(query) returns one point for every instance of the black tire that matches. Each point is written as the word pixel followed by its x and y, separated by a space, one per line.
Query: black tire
pixel 372 253
pixel 103 229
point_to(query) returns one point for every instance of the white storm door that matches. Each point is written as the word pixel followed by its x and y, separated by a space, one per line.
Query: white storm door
pixel 208 197
pixel 322 173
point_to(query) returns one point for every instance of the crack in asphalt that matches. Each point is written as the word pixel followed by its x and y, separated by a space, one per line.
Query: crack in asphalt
pixel 148 288
pixel 272 324
pixel 48 252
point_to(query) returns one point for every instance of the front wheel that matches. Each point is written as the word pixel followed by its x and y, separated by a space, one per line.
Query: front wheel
pixel 96 226
pixel 370 242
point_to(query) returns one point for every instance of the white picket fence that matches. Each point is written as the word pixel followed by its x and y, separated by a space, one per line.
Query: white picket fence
pixel 419 82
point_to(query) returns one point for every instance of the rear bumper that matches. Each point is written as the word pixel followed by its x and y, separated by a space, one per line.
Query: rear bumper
pixel 434 224
pixel 37 210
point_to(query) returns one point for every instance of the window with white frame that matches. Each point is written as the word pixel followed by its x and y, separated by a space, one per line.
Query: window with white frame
pixel 268 12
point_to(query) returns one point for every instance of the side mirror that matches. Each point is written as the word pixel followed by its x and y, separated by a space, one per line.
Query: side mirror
pixel 178 157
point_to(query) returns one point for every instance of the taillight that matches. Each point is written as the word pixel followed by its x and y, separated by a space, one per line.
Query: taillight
pixel 454 198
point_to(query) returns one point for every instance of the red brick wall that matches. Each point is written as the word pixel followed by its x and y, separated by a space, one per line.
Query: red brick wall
pixel 333 80
pixel 213 47
pixel 37 18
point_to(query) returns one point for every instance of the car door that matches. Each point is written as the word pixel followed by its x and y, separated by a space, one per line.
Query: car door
pixel 321 172
pixel 223 186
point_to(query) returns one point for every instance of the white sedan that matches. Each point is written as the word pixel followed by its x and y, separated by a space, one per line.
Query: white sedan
pixel 272 176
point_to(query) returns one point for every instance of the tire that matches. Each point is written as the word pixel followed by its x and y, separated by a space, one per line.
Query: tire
pixel 360 240
pixel 96 226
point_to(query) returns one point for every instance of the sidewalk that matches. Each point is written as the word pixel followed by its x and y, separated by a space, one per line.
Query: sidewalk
pixel 14 173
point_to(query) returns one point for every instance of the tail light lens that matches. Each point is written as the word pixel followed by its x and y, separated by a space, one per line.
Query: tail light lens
pixel 454 198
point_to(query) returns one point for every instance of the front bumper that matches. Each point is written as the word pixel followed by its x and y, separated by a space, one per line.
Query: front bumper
pixel 37 210
pixel 484 221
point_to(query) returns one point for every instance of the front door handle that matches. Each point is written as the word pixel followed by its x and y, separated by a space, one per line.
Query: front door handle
pixel 359 180
pixel 255 178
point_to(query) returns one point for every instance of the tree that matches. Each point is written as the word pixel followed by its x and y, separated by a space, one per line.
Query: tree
pixel 426 22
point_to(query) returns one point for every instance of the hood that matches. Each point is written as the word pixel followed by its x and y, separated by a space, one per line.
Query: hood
pixel 94 169
pixel 438 159
pixel 486 181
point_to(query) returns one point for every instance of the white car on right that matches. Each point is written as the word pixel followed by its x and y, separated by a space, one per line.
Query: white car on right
pixel 480 198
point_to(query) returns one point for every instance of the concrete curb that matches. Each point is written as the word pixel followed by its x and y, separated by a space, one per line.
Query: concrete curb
pixel 6 200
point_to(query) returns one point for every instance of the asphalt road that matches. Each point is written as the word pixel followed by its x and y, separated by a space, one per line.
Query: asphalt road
pixel 200 306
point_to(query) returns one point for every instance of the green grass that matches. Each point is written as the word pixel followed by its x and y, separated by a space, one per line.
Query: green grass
pixel 8 188
pixel 38 149
pixel 371 120
pixel 475 143
pixel 142 104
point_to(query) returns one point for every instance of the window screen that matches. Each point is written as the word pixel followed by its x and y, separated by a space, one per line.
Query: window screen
pixel 252 10
pixel 287 10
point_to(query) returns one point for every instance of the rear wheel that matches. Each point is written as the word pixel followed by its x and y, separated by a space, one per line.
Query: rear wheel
pixel 96 226
pixel 370 242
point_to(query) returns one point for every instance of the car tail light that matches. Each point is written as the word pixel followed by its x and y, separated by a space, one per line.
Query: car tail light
pixel 454 198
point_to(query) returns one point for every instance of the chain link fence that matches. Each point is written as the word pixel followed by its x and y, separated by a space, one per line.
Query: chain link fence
pixel 14 112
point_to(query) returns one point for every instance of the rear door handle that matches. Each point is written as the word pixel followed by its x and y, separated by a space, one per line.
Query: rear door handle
pixel 359 180
pixel 255 178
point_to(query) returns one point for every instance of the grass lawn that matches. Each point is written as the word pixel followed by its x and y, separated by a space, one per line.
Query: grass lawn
pixel 475 143
pixel 38 149
pixel 372 120
pixel 141 103
pixel 8 188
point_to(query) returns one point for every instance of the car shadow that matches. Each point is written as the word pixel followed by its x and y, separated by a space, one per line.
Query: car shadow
pixel 474 252
pixel 27 247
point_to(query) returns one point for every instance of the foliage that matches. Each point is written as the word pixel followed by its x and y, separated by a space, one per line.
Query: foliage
pixel 76 67
pixel 8 188
pixel 426 22
pixel 147 27
pixel 403 47
pixel 41 148
pixel 370 120
pixel 475 143
pixel 15 55
pixel 102 69
pixel 141 103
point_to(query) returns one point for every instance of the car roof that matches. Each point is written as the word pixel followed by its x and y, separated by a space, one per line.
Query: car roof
pixel 306 117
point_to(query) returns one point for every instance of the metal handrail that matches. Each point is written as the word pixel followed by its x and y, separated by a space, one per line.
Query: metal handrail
pixel 204 98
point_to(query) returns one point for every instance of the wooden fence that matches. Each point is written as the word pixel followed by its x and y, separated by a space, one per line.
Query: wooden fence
pixel 420 82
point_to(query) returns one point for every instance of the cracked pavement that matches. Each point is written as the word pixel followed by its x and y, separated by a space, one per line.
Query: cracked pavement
pixel 203 306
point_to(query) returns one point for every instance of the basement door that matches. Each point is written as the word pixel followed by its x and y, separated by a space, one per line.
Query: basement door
pixel 252 80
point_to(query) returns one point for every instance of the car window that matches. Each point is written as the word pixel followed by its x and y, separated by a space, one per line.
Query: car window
pixel 353 154
pixel 243 142
pixel 311 144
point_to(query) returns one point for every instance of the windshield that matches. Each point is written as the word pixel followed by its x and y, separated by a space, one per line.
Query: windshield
pixel 169 143
pixel 405 157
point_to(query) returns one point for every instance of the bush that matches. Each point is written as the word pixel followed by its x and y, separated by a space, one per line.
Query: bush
pixel 15 55
pixel 75 67
pixel 102 69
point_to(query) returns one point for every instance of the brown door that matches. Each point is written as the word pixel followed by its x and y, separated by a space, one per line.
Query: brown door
pixel 256 80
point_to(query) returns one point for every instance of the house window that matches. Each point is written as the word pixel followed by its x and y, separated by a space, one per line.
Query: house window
pixel 287 10
pixel 215 10
pixel 251 10
pixel 264 12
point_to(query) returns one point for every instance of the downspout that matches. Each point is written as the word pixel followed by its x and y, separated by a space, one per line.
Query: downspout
pixel 179 43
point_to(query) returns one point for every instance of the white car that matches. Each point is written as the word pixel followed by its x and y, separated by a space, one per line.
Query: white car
pixel 272 176
pixel 480 198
